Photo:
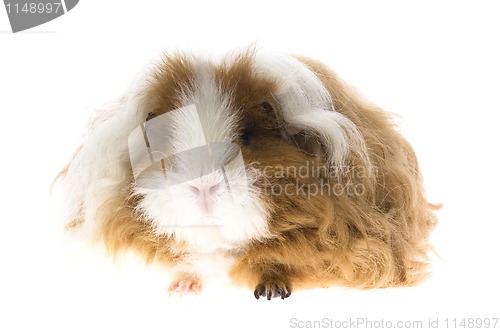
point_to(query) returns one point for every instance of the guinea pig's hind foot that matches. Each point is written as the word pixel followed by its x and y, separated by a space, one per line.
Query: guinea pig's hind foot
pixel 272 288
pixel 185 285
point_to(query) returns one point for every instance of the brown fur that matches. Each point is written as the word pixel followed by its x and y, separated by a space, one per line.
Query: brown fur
pixel 376 239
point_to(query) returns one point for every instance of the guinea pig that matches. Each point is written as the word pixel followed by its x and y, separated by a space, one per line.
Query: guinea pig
pixel 266 168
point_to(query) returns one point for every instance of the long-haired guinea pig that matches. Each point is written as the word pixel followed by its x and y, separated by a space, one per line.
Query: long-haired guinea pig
pixel 263 167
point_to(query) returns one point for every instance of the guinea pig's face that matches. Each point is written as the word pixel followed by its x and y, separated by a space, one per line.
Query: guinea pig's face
pixel 212 136
pixel 207 131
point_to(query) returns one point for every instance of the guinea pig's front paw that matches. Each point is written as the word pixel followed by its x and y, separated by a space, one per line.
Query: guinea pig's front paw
pixel 272 288
pixel 185 285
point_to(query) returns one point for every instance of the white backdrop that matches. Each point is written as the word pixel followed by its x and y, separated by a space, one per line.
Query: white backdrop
pixel 433 63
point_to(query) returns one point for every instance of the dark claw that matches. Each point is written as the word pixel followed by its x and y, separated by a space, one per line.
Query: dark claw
pixel 284 293
pixel 259 291
pixel 272 289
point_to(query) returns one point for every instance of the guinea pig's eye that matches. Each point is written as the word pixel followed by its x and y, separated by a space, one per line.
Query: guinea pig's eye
pixel 150 116
pixel 267 107
pixel 246 137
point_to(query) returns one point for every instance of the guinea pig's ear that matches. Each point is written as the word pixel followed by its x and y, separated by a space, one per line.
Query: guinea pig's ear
pixel 308 110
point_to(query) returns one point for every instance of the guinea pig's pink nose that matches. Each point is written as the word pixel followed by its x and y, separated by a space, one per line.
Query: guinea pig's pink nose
pixel 205 194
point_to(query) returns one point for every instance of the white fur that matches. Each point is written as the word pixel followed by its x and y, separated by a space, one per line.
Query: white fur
pixel 100 168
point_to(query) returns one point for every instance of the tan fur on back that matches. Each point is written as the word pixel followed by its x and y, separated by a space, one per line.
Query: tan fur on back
pixel 377 240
